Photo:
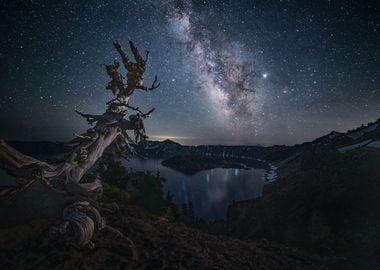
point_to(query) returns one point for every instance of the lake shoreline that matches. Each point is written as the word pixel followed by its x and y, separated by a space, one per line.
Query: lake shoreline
pixel 192 164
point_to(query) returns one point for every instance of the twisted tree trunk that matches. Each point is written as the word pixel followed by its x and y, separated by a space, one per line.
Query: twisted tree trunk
pixel 82 214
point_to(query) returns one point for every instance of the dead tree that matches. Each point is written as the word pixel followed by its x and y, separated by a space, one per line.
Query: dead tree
pixel 82 214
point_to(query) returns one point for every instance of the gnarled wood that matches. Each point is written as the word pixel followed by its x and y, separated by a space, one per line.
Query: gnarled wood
pixel 87 148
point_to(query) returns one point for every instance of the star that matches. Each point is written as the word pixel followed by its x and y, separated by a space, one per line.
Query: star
pixel 226 83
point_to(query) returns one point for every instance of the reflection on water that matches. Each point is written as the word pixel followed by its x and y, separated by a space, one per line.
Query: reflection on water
pixel 210 191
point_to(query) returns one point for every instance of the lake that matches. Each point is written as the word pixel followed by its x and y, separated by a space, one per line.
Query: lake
pixel 210 191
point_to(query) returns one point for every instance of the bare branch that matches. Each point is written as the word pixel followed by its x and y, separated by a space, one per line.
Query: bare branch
pixel 123 55
pixel 143 115
pixel 153 86
pixel 116 84
pixel 91 118
pixel 146 57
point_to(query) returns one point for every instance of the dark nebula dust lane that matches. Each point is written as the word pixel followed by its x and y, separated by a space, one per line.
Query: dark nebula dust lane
pixel 231 72
pixel 225 77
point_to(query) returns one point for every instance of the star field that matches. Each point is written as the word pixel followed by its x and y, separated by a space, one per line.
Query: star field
pixel 231 72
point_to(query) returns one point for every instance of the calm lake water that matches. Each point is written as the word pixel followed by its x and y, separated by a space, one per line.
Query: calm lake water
pixel 210 191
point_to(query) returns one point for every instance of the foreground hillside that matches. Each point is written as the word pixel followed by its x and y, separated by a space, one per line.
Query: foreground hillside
pixel 147 232
pixel 149 242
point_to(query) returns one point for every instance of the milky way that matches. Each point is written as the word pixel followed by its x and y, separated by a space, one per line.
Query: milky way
pixel 231 71
pixel 225 77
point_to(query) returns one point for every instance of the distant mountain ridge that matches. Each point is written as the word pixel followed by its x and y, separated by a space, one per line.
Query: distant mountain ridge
pixel 168 148
pixel 369 133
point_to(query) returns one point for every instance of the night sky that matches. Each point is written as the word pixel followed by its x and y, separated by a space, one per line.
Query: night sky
pixel 231 72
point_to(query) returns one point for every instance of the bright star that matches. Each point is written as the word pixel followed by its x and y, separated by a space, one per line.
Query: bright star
pixel 265 75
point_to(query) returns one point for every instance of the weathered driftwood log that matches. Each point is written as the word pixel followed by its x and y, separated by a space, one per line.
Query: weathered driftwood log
pixel 87 148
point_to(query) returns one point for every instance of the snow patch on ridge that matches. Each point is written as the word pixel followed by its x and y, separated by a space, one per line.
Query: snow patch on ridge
pixel 375 144
pixel 357 134
pixel 353 146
